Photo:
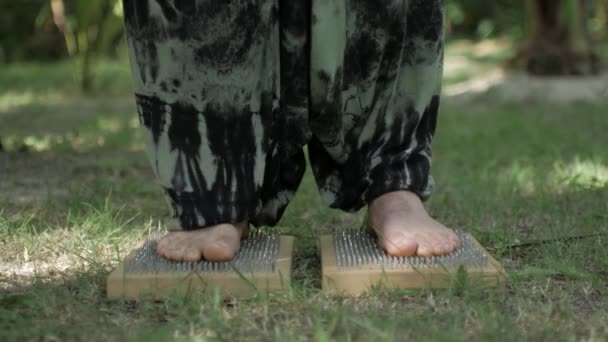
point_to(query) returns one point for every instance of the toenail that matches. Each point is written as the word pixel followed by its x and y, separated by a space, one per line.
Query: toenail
pixel 423 250
pixel 193 255
pixel 439 250
pixel 391 249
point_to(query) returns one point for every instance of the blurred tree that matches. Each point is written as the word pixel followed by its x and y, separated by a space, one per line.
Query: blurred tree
pixel 55 29
pixel 26 33
pixel 559 40
pixel 89 28
pixel 479 19
pixel 559 35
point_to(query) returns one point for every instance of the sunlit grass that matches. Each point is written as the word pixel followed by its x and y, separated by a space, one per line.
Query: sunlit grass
pixel 562 176
pixel 88 238
pixel 518 178
pixel 10 100
pixel 466 60
pixel 103 130
pixel 83 141
pixel 579 174
pixel 111 77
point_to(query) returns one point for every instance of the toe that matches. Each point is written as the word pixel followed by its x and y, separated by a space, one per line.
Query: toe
pixel 192 255
pixel 219 251
pixel 438 245
pixel 448 246
pixel 425 249
pixel 399 247
pixel 163 245
pixel 160 245
pixel 172 254
pixel 160 248
pixel 178 252
pixel 455 240
pixel 168 240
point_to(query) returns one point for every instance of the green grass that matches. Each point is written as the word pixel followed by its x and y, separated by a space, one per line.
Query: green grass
pixel 72 204
pixel 467 59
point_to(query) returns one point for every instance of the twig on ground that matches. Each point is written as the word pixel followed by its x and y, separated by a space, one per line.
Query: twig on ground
pixel 525 245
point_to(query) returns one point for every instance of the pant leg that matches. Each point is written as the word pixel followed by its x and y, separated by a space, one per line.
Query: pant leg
pixel 207 86
pixel 294 22
pixel 376 70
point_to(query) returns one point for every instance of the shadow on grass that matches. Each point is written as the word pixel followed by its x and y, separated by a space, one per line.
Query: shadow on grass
pixel 111 77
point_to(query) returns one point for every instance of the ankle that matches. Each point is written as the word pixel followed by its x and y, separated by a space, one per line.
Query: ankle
pixel 397 200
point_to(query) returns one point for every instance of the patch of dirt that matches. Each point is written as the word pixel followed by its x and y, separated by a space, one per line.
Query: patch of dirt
pixel 33 178
pixel 25 180
pixel 519 87
pixel 17 275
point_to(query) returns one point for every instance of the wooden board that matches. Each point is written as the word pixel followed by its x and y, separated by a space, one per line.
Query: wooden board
pixel 357 281
pixel 156 286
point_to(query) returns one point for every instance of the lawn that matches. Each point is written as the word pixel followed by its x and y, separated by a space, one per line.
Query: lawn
pixel 529 180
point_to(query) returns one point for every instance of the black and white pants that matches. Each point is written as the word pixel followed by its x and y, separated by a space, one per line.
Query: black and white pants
pixel 230 91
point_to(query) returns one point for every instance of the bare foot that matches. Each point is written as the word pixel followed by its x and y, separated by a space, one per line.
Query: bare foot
pixel 216 243
pixel 404 228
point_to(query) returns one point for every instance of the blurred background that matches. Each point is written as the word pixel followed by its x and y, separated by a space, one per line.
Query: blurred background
pixel 542 37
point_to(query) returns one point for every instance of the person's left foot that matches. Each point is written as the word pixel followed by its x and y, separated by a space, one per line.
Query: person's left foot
pixel 215 243
pixel 404 228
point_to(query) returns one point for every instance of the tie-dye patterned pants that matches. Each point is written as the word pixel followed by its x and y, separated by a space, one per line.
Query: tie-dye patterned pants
pixel 229 93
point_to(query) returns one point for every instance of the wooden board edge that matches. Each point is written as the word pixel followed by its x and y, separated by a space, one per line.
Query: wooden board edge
pixel 358 281
pixel 120 287
pixel 329 262
pixel 115 282
pixel 501 273
pixel 284 263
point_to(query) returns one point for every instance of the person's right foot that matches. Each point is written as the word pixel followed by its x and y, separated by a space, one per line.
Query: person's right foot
pixel 215 243
pixel 404 227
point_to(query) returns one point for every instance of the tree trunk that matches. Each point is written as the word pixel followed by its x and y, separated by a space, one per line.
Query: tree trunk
pixel 551 47
pixel 93 47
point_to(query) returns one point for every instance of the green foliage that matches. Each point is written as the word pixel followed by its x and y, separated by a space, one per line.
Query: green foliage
pixel 44 30
pixel 93 24
pixel 28 30
pixel 23 35
pixel 482 19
